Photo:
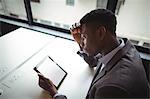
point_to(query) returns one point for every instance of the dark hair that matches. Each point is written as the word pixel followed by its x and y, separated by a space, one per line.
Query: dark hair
pixel 101 17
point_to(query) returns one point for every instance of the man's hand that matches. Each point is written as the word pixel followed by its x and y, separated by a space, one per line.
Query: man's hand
pixel 47 84
pixel 75 31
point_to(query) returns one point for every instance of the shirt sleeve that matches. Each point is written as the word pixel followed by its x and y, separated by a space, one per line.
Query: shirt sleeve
pixel 90 60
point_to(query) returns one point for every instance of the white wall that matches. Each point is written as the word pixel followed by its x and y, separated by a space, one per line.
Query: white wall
pixel 16 7
pixel 57 11
pixel 134 20
pixel 0 5
pixel 53 10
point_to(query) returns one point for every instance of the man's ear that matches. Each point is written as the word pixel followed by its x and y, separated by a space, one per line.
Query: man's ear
pixel 101 32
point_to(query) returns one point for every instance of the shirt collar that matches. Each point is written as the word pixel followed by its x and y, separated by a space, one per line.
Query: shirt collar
pixel 105 59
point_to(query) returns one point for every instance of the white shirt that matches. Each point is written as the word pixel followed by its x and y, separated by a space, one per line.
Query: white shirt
pixel 105 59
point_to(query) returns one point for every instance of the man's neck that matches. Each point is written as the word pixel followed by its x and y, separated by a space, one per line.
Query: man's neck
pixel 110 44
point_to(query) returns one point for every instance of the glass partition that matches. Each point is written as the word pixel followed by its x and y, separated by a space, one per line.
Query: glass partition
pixel 63 13
pixel 13 8
pixel 134 21
pixel 132 15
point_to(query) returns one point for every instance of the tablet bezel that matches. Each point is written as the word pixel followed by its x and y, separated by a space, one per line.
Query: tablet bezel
pixel 39 64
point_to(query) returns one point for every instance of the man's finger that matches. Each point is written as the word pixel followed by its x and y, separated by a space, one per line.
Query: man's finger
pixel 39 74
pixel 75 25
pixel 43 78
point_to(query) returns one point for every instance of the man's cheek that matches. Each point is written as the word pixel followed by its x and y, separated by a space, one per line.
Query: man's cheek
pixel 86 47
pixel 85 44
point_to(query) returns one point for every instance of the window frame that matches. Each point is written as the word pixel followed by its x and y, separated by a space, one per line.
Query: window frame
pixel 30 19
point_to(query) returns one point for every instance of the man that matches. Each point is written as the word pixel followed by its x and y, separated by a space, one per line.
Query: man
pixel 120 73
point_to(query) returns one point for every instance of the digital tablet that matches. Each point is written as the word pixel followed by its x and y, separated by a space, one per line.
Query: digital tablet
pixel 51 70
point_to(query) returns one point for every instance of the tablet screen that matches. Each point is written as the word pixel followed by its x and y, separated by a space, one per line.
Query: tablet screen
pixel 51 70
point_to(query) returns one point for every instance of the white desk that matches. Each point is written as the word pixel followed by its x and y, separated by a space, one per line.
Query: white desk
pixel 22 82
pixel 19 46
